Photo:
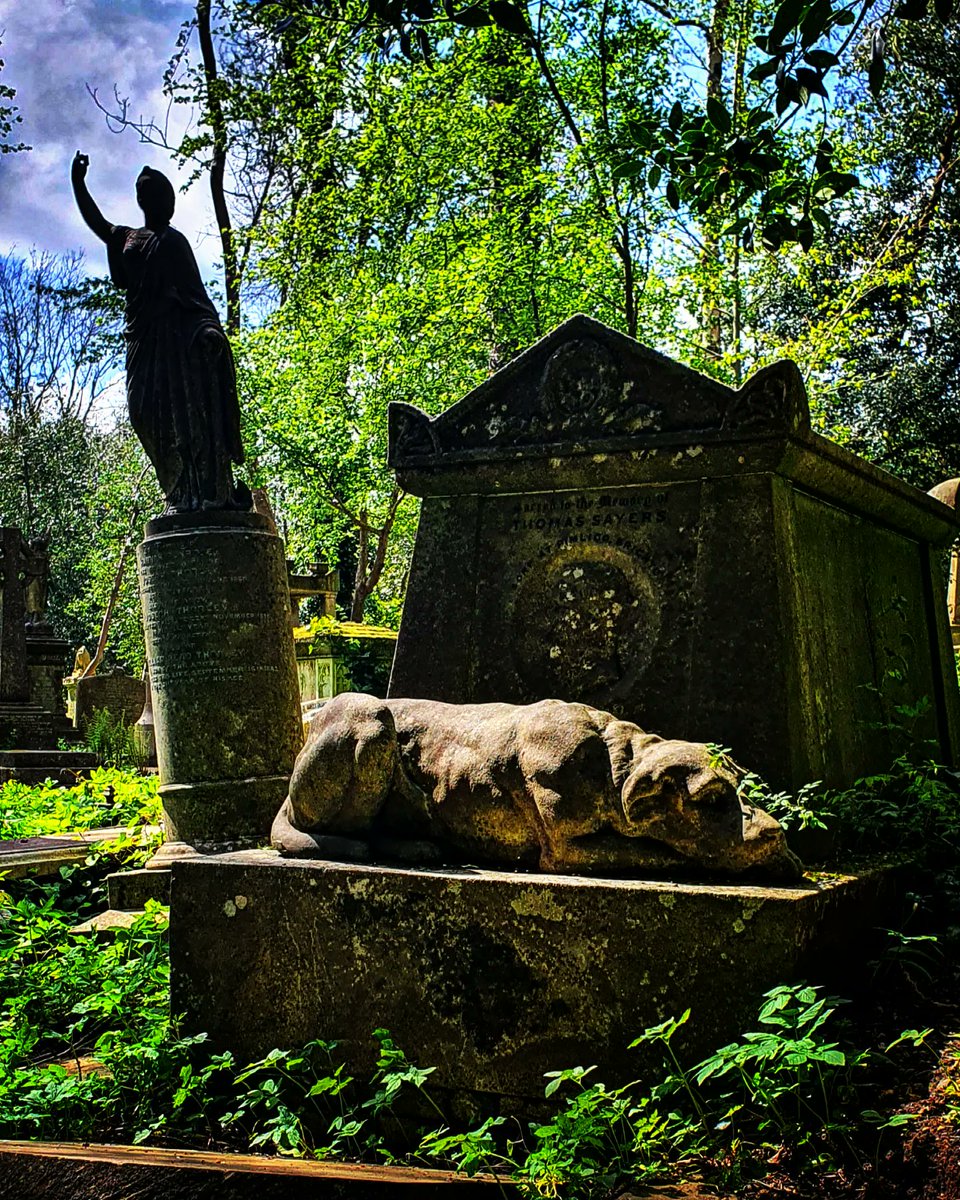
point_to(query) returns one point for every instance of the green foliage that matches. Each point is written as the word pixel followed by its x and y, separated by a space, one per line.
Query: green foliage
pixel 109 797
pixel 788 1084
pixel 68 997
pixel 111 737
pixel 785 1080
pixel 803 811
pixel 87 1051
pixel 735 150
pixel 914 809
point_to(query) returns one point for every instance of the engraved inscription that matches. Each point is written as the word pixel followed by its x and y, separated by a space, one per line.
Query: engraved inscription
pixel 211 622
pixel 585 601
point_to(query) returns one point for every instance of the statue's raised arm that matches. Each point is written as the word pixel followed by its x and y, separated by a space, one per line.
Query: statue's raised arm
pixel 94 218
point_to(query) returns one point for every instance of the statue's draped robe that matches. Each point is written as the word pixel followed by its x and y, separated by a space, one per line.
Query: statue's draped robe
pixel 181 385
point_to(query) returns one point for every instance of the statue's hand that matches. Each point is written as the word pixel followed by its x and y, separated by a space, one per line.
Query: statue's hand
pixel 78 168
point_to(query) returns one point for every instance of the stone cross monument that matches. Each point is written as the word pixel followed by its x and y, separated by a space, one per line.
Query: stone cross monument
pixel 14 682
pixel 24 724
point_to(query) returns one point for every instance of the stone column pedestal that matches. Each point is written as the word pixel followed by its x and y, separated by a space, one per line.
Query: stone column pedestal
pixel 223 676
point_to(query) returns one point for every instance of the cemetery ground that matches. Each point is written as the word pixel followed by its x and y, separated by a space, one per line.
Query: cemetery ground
pixel 821 1097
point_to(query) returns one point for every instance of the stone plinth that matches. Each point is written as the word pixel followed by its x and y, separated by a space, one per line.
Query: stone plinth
pixel 223 675
pixel 604 525
pixel 492 978
pixel 25 726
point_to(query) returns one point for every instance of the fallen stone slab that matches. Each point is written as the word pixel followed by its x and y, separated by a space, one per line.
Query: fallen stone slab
pixel 46 855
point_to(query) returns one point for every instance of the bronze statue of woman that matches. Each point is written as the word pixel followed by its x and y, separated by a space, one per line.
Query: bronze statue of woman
pixel 181 384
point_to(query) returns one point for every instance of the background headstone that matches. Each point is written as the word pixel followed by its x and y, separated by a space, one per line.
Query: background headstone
pixel 602 524
pixel 24 724
pixel 123 696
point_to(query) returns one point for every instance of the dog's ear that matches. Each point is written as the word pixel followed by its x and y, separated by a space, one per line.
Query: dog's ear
pixel 626 744
pixel 645 794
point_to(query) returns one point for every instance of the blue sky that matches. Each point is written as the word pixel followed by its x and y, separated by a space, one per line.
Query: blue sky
pixel 52 49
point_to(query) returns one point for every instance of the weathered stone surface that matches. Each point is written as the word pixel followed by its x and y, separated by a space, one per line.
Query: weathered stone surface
pixel 25 726
pixel 14 682
pixel 47 661
pixel 130 890
pixel 490 977
pixel 66 767
pixel 603 525
pixel 223 674
pixel 322 665
pixel 27 722
pixel 123 696
pixel 554 786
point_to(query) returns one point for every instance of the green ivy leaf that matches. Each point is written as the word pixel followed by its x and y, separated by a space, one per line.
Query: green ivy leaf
pixel 628 170
pixel 718 115
pixel 787 16
pixel 821 59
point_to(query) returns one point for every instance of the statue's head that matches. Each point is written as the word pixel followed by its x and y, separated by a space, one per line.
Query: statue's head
pixel 156 196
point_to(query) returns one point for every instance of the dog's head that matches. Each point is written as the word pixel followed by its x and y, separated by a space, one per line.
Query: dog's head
pixel 684 795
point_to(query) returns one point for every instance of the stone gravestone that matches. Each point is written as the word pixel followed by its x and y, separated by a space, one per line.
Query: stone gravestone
pixel 599 524
pixel 24 725
pixel 47 654
pixel 602 524
pixel 14 682
pixel 123 696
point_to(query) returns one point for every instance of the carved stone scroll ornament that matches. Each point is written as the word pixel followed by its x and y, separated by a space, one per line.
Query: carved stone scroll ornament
pixel 772 401
pixel 551 786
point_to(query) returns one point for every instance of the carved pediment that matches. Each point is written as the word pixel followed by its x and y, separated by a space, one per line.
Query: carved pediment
pixel 586 387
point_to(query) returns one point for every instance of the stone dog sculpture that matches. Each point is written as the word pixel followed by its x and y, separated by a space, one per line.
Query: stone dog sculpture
pixel 555 786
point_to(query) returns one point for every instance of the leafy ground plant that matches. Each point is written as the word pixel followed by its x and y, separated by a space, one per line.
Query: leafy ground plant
pixel 111 737
pixel 109 797
pixel 87 1051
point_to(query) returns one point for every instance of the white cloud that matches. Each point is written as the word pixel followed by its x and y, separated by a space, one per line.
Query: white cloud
pixel 52 50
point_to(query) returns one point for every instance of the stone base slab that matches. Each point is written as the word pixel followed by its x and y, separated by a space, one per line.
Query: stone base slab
pixel 493 978
pixel 246 807
pixel 25 726
pixel 65 767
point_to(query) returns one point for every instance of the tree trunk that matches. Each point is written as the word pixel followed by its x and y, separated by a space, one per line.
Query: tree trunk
pixel 710 256
pixel 218 163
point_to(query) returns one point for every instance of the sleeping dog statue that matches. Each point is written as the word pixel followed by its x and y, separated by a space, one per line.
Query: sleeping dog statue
pixel 552 786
